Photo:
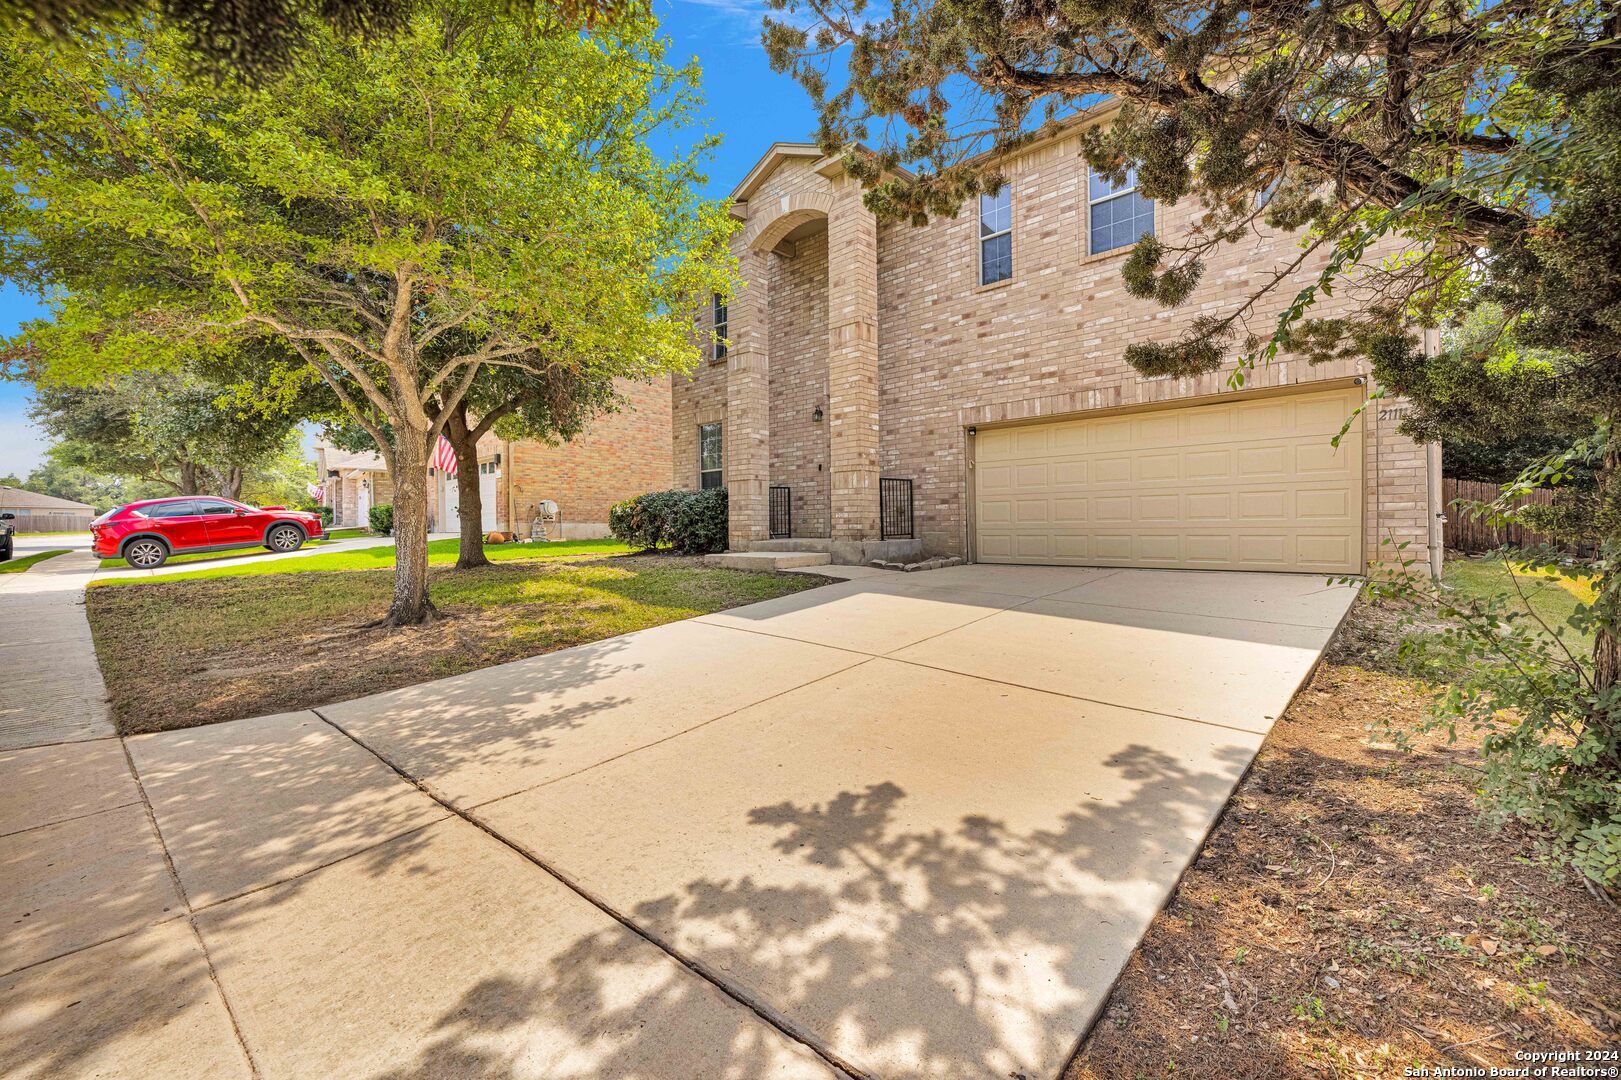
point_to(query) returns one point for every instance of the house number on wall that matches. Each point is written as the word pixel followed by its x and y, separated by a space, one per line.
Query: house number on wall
pixel 1395 412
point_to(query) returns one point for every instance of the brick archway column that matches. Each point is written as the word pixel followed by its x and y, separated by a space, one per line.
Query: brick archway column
pixel 852 363
pixel 746 436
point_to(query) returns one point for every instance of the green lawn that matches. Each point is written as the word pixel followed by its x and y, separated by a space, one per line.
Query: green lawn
pixel 1550 598
pixel 195 652
pixel 346 534
pixel 440 553
pixel 18 565
pixel 210 556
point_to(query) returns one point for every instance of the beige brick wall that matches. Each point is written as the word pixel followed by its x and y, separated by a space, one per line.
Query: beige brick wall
pixel 799 444
pixel 618 455
pixel 1046 343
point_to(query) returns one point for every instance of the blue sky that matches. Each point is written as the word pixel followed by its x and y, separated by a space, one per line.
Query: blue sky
pixel 747 104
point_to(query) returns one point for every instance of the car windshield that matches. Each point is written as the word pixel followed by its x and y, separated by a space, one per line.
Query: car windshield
pixel 114 511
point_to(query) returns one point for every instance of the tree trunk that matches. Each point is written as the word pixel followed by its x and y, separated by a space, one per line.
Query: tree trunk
pixel 233 483
pixel 471 510
pixel 188 478
pixel 411 605
pixel 1606 647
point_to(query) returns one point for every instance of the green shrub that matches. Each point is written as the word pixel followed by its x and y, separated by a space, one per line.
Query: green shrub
pixel 325 512
pixel 643 522
pixel 691 522
pixel 382 519
pixel 1550 734
pixel 698 525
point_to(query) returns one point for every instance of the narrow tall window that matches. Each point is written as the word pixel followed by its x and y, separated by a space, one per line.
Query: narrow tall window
pixel 1118 216
pixel 717 306
pixel 996 236
pixel 709 456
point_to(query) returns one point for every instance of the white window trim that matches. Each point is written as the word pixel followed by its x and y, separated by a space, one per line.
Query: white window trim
pixel 981 238
pixel 720 322
pixel 1091 202
pixel 721 429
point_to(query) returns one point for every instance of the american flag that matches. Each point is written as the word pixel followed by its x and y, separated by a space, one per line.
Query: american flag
pixel 444 457
pixel 316 491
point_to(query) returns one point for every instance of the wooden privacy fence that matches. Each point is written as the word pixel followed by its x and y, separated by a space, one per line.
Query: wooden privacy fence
pixel 40 521
pixel 1466 532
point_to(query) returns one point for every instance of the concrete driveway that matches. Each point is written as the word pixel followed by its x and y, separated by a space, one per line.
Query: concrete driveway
pixel 897 826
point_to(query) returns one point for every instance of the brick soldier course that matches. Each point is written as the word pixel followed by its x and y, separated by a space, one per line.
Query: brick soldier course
pixel 886 330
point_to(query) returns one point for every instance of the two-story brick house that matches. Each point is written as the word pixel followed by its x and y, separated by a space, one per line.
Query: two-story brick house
pixel 975 365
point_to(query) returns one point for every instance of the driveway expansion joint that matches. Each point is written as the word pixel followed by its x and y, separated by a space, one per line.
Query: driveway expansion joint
pixel 763 1013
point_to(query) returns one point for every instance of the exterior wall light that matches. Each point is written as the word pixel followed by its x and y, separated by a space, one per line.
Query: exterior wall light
pixel 816 415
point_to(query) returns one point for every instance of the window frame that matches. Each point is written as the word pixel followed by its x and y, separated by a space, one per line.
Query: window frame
pixel 719 471
pixel 1114 194
pixel 720 323
pixel 984 238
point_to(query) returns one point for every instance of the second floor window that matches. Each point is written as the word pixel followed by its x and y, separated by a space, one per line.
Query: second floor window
pixel 717 306
pixel 996 236
pixel 1116 216
pixel 709 456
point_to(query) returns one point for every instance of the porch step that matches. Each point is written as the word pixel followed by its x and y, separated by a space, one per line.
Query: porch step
pixel 766 561
pixel 797 543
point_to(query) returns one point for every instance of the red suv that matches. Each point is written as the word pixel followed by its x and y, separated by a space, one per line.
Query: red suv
pixel 145 534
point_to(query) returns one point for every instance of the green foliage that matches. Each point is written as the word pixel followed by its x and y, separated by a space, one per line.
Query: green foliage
pixel 381 519
pixel 644 521
pixel 258 38
pixel 386 219
pixel 1440 128
pixel 1550 733
pixel 698 525
pixel 689 522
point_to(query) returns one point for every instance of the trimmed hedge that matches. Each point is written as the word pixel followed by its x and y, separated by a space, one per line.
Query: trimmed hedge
pixel 688 522
pixel 382 519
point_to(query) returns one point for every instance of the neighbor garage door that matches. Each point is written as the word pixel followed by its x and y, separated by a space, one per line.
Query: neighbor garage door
pixel 1243 485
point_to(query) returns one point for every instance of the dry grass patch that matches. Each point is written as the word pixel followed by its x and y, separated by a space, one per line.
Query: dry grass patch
pixel 1351 916
pixel 195 652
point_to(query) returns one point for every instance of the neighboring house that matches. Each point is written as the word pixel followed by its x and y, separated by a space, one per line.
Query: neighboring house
pixel 963 384
pixel 618 455
pixel 352 482
pixel 44 513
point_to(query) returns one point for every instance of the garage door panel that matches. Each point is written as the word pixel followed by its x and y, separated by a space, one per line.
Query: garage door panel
pixel 1237 485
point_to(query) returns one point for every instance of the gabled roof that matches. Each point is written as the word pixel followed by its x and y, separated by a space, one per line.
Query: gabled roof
pixel 775 156
pixel 33 500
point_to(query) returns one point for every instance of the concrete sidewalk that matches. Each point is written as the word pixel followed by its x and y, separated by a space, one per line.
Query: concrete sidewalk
pixel 898 826
pixel 50 684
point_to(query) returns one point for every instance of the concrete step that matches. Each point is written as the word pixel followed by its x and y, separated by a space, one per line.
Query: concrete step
pixel 797 543
pixel 766 561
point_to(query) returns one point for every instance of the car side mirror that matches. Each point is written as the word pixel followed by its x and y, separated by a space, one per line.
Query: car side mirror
pixel 239 512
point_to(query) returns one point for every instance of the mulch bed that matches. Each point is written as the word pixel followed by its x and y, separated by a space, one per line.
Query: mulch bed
pixel 1351 915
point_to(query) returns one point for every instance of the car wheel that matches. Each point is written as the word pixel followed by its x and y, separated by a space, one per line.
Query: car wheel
pixel 5 553
pixel 285 538
pixel 146 554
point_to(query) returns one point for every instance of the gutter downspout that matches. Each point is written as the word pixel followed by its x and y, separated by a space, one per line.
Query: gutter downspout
pixel 1432 461
pixel 1433 480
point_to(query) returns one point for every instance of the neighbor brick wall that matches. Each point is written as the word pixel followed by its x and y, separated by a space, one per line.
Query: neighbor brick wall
pixel 1048 342
pixel 618 455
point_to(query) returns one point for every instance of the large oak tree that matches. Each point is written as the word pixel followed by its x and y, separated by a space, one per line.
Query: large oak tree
pixel 400 215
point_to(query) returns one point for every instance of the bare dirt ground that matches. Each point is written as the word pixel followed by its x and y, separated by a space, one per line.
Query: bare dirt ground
pixel 1351 915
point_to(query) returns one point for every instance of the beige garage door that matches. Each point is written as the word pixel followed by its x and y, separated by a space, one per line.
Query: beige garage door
pixel 1242 485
